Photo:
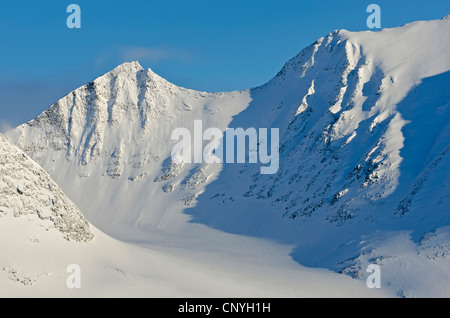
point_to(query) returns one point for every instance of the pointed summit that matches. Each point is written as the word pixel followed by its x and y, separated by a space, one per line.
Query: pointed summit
pixel 127 67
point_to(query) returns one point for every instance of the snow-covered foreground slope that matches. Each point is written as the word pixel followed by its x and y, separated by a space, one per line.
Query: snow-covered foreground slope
pixel 364 157
pixel 42 233
pixel 34 263
pixel 28 193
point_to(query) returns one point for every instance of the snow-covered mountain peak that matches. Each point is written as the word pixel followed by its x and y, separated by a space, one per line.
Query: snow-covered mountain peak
pixel 131 71
pixel 128 67
pixel 394 50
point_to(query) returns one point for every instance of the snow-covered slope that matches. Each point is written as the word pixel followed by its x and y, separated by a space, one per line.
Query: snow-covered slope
pixel 27 192
pixel 364 154
pixel 43 234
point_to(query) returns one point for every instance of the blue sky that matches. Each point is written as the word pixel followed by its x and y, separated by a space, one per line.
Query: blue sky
pixel 200 44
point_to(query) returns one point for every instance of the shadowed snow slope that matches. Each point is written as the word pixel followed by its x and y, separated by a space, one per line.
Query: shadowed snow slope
pixel 364 156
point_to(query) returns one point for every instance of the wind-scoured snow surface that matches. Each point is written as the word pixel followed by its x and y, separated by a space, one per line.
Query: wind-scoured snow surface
pixel 364 157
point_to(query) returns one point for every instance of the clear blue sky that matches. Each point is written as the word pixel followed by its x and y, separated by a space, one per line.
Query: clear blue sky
pixel 200 44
